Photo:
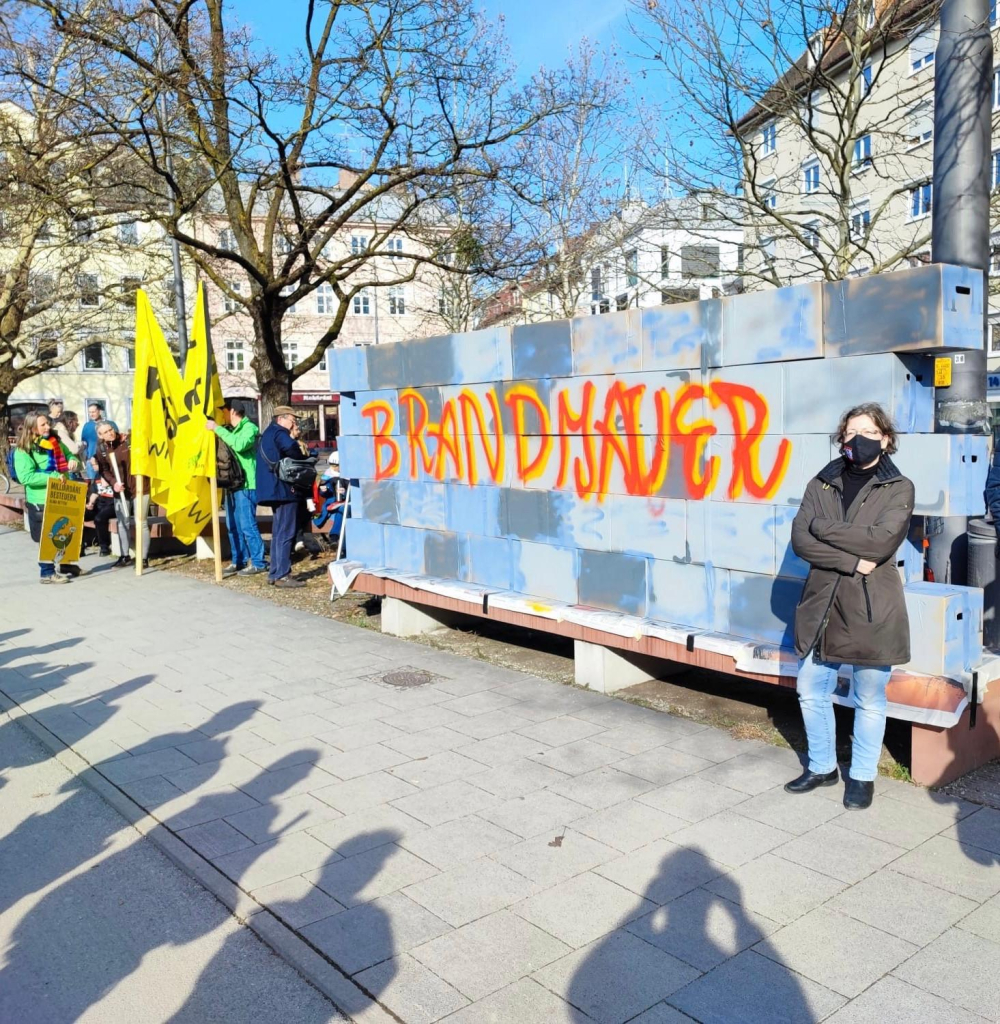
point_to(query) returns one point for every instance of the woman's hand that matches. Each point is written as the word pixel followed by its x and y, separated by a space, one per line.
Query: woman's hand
pixel 73 465
pixel 865 566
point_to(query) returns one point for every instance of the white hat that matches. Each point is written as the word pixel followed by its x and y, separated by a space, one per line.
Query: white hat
pixel 333 458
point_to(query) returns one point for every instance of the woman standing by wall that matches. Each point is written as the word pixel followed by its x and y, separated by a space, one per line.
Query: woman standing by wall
pixel 854 515
pixel 39 455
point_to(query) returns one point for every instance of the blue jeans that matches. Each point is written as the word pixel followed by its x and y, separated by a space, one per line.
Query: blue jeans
pixel 244 536
pixel 816 683
pixel 284 527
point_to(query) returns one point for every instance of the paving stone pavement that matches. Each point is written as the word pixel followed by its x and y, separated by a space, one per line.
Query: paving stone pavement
pixel 490 847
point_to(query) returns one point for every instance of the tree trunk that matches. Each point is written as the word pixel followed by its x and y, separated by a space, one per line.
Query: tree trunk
pixel 273 393
pixel 6 388
pixel 273 382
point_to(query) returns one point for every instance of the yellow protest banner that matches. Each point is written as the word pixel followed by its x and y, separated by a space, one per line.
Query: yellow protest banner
pixel 62 522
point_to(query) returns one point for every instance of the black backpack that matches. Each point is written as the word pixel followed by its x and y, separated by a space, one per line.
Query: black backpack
pixel 228 469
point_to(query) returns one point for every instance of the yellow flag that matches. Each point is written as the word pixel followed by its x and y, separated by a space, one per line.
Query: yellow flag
pixel 189 505
pixel 153 426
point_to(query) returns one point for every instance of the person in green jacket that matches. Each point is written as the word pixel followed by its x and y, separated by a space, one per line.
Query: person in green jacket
pixel 39 455
pixel 245 541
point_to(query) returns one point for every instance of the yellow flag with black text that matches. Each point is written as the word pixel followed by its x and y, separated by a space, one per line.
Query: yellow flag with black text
pixel 189 505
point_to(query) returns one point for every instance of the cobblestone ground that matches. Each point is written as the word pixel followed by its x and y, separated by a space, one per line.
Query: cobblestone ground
pixel 485 846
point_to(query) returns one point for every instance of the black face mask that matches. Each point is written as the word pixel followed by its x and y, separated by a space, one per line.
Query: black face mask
pixel 861 450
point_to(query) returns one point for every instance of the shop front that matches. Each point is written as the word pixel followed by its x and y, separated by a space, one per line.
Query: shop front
pixel 319 417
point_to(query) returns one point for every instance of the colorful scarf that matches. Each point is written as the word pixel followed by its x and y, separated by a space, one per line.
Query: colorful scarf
pixel 58 463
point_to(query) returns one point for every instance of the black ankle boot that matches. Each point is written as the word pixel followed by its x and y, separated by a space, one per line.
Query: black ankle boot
pixel 859 795
pixel 809 781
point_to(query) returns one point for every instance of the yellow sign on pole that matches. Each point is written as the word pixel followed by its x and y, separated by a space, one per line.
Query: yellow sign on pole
pixel 62 523
pixel 942 372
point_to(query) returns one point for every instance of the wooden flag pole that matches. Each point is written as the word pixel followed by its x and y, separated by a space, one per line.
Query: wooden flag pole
pixel 140 521
pixel 216 528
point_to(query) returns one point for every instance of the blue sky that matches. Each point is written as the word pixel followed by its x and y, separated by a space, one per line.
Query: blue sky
pixel 537 32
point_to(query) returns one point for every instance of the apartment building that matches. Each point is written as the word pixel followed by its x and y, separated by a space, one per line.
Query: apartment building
pixel 677 250
pixel 839 155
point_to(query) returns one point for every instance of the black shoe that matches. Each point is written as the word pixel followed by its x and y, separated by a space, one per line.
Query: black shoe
pixel 230 570
pixel 859 795
pixel 252 570
pixel 808 781
pixel 105 552
pixel 125 560
pixel 288 583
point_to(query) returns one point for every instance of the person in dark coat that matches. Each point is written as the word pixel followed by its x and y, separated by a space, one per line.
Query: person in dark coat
pixel 854 515
pixel 276 443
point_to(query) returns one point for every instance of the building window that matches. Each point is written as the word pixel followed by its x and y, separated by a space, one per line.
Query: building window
pixel 362 303
pixel 83 229
pixel 632 268
pixel 93 357
pixel 868 14
pixel 48 347
pixel 921 199
pixel 768 194
pixel 283 245
pixel 810 177
pixel 862 153
pixel 621 303
pixel 234 354
pixel 604 306
pixel 397 301
pixel 769 138
pixel 45 231
pixel 285 292
pixel 89 289
pixel 768 250
pixel 861 216
pixel 321 365
pixel 810 234
pixel 994 338
pixel 130 285
pixel 324 299
pixel 996 90
pixel 664 261
pixel 42 287
pixel 446 303
pixel 866 79
pixel 595 284
pixel 395 248
pixel 232 302
pixel 919 124
pixel 128 232
pixel 290 353
pixel 995 169
pixel 227 240
pixel 699 261
pixel 130 357
pixel 922 49
pixel 359 244
pixel 740 256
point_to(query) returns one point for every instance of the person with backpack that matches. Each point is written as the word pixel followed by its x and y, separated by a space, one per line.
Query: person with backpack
pixel 284 478
pixel 39 455
pixel 236 470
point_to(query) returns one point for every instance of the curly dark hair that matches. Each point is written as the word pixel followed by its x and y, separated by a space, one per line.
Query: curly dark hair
pixel 879 417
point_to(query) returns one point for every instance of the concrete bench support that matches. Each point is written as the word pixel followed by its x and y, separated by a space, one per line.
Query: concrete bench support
pixel 606 671
pixel 402 618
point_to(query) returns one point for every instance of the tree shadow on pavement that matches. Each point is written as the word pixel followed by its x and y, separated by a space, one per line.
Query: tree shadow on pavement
pixel 701 952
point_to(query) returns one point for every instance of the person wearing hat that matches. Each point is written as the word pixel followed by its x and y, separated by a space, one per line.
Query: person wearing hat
pixel 245 541
pixel 276 443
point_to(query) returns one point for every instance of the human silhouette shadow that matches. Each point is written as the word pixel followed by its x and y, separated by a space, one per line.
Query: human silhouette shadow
pixel 46 831
pixel 723 969
pixel 51 949
pixel 353 940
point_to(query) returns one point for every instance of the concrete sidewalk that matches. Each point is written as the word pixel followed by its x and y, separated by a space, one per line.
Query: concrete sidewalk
pixel 484 846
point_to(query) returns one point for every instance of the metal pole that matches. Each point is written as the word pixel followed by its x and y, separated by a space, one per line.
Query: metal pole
pixel 960 232
pixel 179 305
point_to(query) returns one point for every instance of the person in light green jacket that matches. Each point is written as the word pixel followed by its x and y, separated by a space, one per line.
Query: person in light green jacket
pixel 39 455
pixel 245 541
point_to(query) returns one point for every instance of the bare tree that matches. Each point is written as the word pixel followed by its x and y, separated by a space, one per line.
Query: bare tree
pixel 813 112
pixel 380 120
pixel 70 257
pixel 577 170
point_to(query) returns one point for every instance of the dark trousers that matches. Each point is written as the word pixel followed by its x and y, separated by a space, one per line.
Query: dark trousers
pixel 35 515
pixel 104 512
pixel 284 527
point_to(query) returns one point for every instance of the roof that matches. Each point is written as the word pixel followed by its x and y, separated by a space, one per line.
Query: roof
pixel 801 77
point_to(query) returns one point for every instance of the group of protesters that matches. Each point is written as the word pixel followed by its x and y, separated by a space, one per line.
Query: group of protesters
pixel 273 468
